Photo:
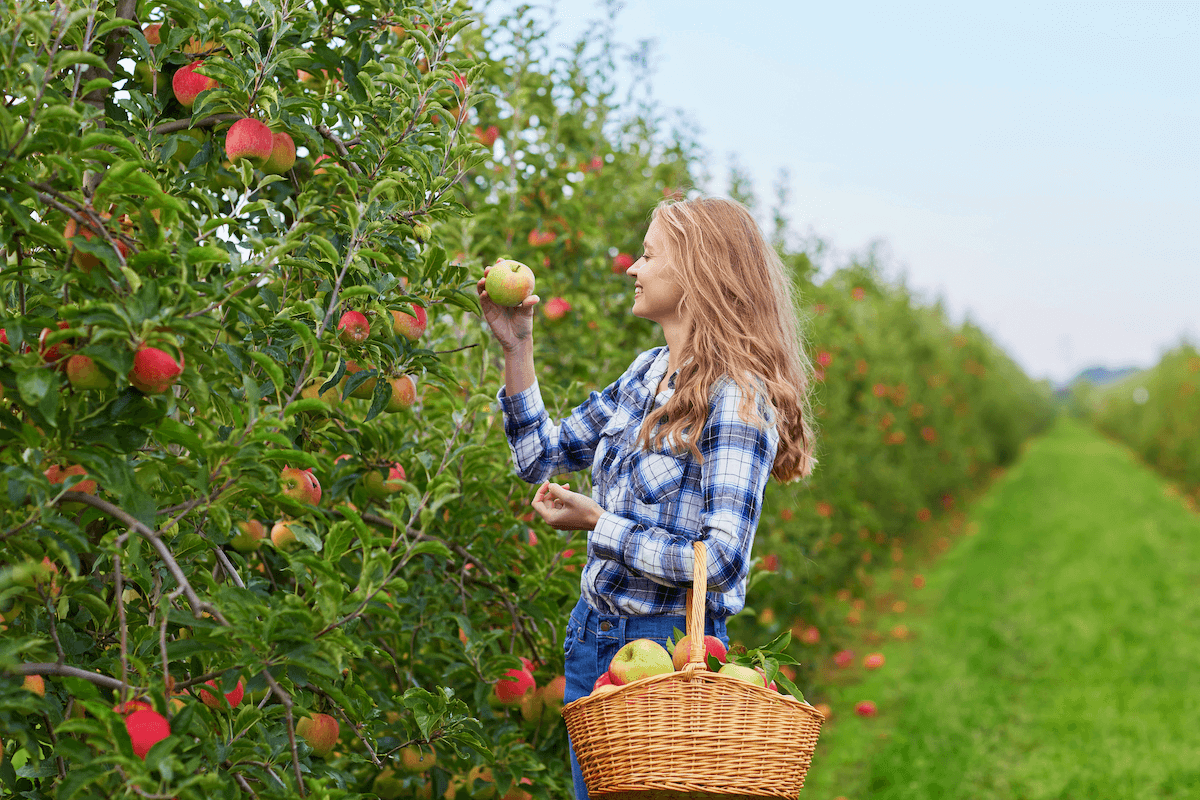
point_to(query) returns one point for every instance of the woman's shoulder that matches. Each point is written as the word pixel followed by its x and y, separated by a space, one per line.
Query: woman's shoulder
pixel 727 396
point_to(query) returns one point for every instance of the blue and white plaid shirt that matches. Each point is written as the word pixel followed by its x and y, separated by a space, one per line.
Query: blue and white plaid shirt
pixel 639 557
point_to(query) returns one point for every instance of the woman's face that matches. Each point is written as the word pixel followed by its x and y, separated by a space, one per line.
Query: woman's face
pixel 655 296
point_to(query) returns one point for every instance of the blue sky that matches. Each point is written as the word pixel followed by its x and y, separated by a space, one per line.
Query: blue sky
pixel 1035 166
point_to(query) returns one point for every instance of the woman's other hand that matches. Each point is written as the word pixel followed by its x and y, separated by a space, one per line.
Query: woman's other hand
pixel 565 510
pixel 512 326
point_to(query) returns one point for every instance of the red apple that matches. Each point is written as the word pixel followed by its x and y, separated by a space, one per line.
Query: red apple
pixel 83 373
pixel 410 326
pixel 487 137
pixel 282 536
pixel 712 647
pixel 622 262
pixel 743 673
pixel 130 706
pixel 417 759
pixel 283 154
pixel 873 661
pixel 404 394
pixel 85 261
pixel 57 475
pixel 211 699
pixel 251 537
pixel 603 680
pixel 154 371
pixel 320 731
pixel 556 308
pixel 509 282
pixel 639 659
pixel 514 685
pixel 365 389
pixel 250 139
pixel 810 635
pixel 353 328
pixel 187 83
pixel 300 485
pixel 843 658
pixel 553 694
pixel 35 684
pixel 56 351
pixel 379 487
pixel 146 729
pixel 865 709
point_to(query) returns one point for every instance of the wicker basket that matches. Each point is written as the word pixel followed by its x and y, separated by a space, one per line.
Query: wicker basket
pixel 693 734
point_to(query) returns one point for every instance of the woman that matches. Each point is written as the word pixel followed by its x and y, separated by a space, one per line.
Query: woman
pixel 681 446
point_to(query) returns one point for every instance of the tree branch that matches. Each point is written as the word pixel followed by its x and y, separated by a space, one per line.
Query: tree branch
pixel 64 671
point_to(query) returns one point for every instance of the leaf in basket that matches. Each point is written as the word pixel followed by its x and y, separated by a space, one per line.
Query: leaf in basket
pixel 670 645
pixel 678 634
pixel 790 687
pixel 780 642
pixel 713 663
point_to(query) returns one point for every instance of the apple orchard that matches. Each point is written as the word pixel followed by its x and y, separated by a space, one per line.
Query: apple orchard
pixel 259 531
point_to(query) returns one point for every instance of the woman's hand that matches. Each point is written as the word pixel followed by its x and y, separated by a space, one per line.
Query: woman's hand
pixel 565 510
pixel 513 326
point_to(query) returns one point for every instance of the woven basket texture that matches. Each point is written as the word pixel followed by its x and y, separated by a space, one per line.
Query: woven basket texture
pixel 693 734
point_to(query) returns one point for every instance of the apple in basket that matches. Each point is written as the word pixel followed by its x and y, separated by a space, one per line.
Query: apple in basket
pixel 712 647
pixel 639 659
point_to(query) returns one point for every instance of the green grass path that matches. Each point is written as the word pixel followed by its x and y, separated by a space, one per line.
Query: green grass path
pixel 1059 652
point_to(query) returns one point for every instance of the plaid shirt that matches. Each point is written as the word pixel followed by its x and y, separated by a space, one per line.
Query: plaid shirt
pixel 639 557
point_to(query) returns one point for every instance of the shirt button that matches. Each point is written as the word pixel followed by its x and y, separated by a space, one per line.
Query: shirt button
pixel 606 626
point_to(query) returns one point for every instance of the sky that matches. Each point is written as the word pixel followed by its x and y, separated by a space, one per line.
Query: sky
pixel 1036 167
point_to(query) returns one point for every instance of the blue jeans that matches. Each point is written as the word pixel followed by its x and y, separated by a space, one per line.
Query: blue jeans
pixel 592 639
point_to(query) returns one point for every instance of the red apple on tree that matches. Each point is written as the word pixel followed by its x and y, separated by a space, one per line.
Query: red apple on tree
pixel 417 759
pixel 300 485
pixel 379 487
pixel 556 308
pixel 365 389
pixel 873 661
pixel 83 373
pixel 404 394
pixel 622 262
pixel 283 154
pixel 283 537
pixel 250 139
pixel 57 474
pixel 212 700
pixel 320 731
pixel 146 729
pixel 843 658
pixel 188 84
pixel 35 684
pixel 639 659
pixel 54 352
pixel 154 370
pixel 410 326
pixel 353 328
pixel 508 283
pixel 251 535
pixel 513 685
pixel 865 709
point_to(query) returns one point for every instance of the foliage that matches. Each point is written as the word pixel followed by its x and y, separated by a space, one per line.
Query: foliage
pixel 1157 413
pixel 442 144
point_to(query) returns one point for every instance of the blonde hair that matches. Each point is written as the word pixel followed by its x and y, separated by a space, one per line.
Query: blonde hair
pixel 744 324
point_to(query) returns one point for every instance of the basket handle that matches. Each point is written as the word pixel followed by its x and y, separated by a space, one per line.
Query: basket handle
pixel 695 618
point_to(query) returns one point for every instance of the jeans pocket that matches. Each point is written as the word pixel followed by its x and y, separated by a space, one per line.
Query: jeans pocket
pixel 571 637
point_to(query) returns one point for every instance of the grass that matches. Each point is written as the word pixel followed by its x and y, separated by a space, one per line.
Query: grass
pixel 1056 650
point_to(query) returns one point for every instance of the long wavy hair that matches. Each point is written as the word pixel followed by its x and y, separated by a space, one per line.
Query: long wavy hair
pixel 744 323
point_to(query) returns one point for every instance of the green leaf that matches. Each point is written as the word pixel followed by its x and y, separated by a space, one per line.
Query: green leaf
pixel 294 458
pixel 34 384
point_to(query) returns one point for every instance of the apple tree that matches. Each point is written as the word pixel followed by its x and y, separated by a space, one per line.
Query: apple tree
pixel 247 444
